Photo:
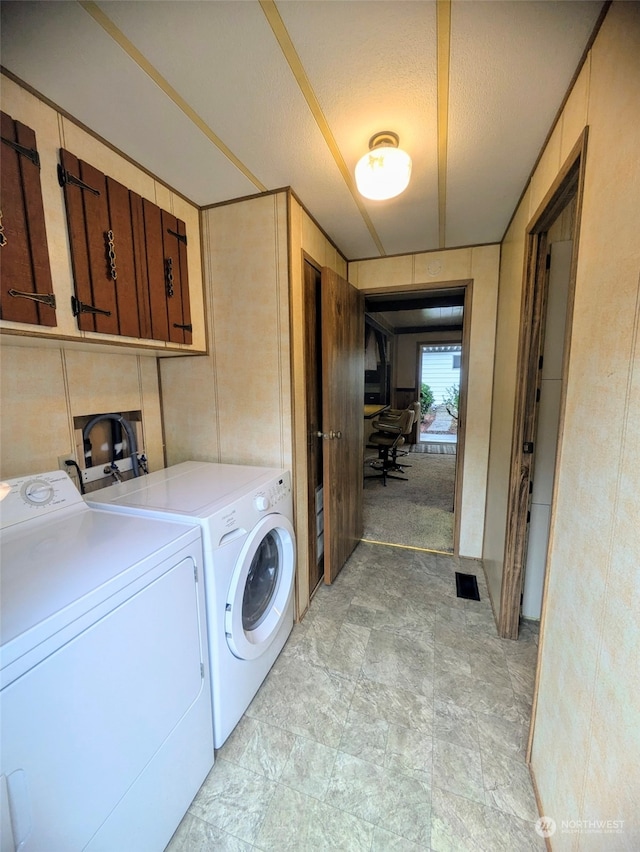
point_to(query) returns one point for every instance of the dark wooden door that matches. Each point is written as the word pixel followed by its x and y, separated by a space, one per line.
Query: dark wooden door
pixel 342 419
pixel 27 294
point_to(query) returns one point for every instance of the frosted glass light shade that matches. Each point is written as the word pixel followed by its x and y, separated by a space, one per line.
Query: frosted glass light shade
pixel 383 172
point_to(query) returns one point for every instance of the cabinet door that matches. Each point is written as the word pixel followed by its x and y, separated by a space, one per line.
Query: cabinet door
pixel 152 216
pixel 174 237
pixel 24 255
pixel 122 262
pixel 129 258
pixel 85 194
pixel 166 257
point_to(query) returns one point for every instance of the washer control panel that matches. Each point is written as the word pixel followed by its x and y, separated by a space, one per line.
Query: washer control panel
pixel 276 492
pixel 28 497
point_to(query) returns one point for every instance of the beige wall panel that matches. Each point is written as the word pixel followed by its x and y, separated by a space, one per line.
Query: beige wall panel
pixel 485 271
pixel 452 265
pixel 546 172
pixel 249 281
pixel 594 548
pixel 314 242
pixel 99 383
pixel 613 776
pixel 190 411
pixel 152 441
pixel 574 115
pixel 163 196
pixel 504 384
pixel 382 273
pixel 34 428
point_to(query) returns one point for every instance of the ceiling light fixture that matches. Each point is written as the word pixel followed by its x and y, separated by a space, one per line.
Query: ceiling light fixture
pixel 385 170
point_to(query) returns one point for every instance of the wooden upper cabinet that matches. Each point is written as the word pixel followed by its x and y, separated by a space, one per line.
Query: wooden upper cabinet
pixel 130 278
pixel 25 273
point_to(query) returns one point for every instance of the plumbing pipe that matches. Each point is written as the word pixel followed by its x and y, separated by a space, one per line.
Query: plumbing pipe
pixel 131 435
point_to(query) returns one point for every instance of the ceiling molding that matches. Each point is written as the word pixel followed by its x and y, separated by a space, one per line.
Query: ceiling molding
pixel 297 69
pixel 143 63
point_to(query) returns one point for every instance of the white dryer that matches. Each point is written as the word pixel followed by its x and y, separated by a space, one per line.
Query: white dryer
pixel 105 706
pixel 246 517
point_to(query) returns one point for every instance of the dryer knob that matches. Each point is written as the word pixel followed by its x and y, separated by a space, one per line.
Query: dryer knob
pixel 261 503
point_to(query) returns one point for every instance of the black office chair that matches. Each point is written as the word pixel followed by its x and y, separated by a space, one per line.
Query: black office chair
pixel 391 429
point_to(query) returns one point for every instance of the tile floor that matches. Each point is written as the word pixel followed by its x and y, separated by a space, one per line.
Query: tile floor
pixel 394 719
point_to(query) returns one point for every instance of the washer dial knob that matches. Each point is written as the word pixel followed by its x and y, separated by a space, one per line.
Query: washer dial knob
pixel 261 503
pixel 38 492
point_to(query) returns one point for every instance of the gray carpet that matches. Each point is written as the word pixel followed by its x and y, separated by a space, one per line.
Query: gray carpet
pixel 419 512
pixel 428 447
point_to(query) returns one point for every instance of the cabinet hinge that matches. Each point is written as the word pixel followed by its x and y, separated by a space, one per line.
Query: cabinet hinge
pixel 531 486
pixel 79 307
pixel 202 671
pixel 528 517
pixel 29 153
pixel 537 394
pixel 548 261
pixel 65 176
pixel 44 298
pixel 540 361
pixel 181 237
pixel 195 573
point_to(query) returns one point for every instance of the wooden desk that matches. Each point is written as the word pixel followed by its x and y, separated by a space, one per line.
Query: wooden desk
pixel 371 411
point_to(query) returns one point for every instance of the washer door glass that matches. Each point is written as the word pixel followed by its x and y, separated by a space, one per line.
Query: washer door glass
pixel 262 582
pixel 260 595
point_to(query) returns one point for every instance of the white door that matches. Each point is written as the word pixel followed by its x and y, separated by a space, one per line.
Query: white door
pixel 261 587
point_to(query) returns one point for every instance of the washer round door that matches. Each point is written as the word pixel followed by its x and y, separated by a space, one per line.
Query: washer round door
pixel 261 587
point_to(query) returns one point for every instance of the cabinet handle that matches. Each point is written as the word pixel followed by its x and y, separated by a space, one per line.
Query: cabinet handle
pixel 43 298
pixel 3 236
pixel 111 254
pixel 168 272
pixel 187 327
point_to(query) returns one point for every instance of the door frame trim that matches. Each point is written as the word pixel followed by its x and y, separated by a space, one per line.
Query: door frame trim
pixel 569 183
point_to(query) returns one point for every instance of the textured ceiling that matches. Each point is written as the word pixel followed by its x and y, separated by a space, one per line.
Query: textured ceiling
pixel 225 99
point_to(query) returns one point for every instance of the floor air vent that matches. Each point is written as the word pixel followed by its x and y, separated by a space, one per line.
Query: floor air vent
pixel 467 587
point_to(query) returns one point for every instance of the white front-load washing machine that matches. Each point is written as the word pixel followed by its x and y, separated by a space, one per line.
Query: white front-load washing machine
pixel 246 517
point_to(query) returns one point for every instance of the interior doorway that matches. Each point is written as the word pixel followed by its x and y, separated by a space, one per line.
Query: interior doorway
pixel 558 219
pixel 415 323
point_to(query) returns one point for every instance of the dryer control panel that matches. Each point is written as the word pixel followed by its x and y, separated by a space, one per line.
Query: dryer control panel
pixel 268 498
pixel 37 495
